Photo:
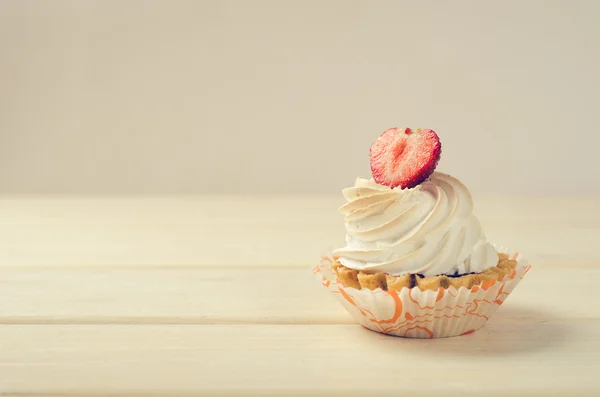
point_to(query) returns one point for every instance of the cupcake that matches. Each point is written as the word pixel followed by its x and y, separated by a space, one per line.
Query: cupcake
pixel 416 261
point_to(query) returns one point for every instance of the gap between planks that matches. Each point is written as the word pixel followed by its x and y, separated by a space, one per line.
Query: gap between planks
pixel 582 264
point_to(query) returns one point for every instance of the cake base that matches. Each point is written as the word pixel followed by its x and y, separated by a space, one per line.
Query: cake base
pixel 358 279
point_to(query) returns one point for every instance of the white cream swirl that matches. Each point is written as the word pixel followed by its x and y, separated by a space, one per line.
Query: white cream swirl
pixel 429 229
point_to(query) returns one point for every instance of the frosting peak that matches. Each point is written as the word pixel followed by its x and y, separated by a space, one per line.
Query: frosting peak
pixel 429 229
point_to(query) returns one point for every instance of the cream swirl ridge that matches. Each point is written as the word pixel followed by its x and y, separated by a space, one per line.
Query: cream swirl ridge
pixel 429 229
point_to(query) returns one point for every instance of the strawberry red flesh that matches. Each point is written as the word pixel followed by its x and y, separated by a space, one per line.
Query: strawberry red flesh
pixel 405 158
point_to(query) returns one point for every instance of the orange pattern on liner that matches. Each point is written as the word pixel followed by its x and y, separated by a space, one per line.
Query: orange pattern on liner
pixel 422 314
pixel 440 294
pixel 421 328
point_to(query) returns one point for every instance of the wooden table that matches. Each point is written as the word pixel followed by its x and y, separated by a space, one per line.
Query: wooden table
pixel 137 296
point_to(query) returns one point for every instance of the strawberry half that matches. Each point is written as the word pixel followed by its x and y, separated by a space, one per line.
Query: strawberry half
pixel 404 157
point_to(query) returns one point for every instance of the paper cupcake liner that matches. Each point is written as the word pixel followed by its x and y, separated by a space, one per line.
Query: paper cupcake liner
pixel 413 313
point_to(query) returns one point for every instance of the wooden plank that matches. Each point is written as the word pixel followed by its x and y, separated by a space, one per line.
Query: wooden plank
pixel 234 296
pixel 182 296
pixel 254 231
pixel 528 355
pixel 138 231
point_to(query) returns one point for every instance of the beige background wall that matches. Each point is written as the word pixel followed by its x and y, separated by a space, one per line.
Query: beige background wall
pixel 287 96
